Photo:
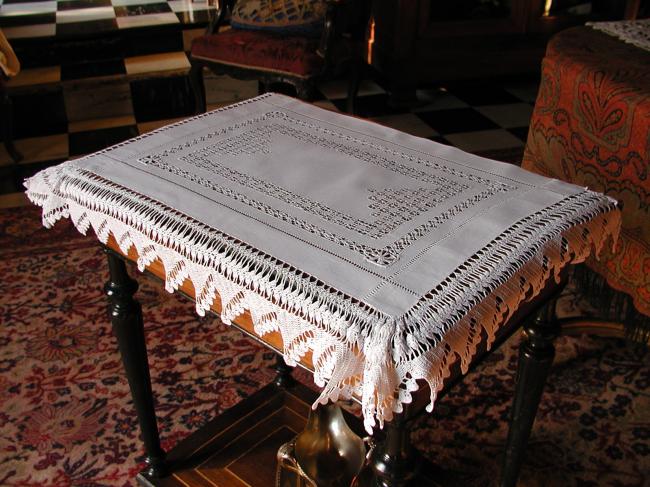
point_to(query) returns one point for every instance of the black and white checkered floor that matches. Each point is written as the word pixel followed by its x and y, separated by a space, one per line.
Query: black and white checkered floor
pixel 97 72
pixel 71 117
pixel 22 19
pixel 74 97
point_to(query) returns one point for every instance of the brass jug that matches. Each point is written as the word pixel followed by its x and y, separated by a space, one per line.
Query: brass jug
pixel 327 452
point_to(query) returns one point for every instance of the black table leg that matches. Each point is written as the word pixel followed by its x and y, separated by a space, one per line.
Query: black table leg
pixel 126 316
pixel 535 358
pixel 283 377
pixel 394 460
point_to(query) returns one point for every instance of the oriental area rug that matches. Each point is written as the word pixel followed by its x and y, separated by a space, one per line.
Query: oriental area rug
pixel 66 418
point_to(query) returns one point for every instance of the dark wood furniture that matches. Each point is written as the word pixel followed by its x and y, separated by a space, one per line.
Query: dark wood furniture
pixel 6 129
pixel 423 41
pixel 273 59
pixel 6 116
pixel 393 462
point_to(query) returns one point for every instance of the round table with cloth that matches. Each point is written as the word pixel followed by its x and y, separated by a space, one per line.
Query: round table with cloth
pixel 591 126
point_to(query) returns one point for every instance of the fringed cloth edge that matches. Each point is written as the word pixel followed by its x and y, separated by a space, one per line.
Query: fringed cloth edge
pixel 356 350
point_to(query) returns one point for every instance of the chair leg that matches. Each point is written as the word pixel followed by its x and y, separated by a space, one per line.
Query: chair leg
pixel 356 75
pixel 262 87
pixel 198 88
pixel 7 127
pixel 305 90
pixel 535 359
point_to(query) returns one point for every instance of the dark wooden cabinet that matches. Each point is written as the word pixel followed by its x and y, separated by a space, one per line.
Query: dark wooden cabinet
pixel 420 41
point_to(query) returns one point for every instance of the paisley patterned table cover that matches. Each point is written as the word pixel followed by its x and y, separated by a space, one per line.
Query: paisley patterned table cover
pixel 389 257
pixel 591 126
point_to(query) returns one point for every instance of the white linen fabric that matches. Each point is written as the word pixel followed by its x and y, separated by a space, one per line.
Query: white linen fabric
pixel 387 256
pixel 635 32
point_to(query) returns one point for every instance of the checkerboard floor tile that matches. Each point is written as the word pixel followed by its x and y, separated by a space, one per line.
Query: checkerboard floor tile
pixel 520 132
pixel 483 140
pixel 86 27
pixel 407 122
pixel 144 9
pixel 508 115
pixel 25 20
pixel 27 8
pixel 107 67
pixel 457 120
pixel 437 99
pixel 370 106
pixel 188 5
pixel 126 3
pixel 69 16
pixel 36 116
pixel 44 148
pixel 147 20
pixel 157 63
pixel 82 4
pixel 21 19
pixel 29 31
pixel 477 94
pixel 338 89
pixel 90 141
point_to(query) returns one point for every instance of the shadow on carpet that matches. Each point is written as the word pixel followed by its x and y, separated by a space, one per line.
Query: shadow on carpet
pixel 66 418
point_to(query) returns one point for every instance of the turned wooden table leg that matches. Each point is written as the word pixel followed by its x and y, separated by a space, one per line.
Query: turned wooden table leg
pixel 126 316
pixel 283 377
pixel 535 358
pixel 394 461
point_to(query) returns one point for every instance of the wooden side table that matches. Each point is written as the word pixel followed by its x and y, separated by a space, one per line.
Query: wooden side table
pixel 206 458
pixel 386 264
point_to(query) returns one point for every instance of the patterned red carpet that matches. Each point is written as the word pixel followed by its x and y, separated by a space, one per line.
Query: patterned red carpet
pixel 66 418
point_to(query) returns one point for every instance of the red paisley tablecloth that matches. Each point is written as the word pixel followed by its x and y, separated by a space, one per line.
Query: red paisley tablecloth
pixel 591 126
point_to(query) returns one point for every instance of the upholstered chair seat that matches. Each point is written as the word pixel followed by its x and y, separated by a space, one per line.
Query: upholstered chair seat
pixel 291 55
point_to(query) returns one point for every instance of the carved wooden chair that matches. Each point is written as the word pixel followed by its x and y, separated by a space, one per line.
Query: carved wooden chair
pixel 297 60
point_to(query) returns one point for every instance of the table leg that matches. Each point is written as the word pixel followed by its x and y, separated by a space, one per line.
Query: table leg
pixel 394 461
pixel 126 316
pixel 283 377
pixel 535 358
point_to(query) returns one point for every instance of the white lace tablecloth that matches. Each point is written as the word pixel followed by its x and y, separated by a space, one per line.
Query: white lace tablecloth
pixel 389 257
pixel 635 32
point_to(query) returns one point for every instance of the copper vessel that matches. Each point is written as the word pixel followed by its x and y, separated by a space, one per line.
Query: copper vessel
pixel 327 452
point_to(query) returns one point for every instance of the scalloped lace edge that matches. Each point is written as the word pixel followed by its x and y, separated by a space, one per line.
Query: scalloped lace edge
pixel 354 353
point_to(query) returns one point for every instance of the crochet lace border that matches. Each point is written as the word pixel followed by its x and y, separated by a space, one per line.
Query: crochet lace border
pixel 356 350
